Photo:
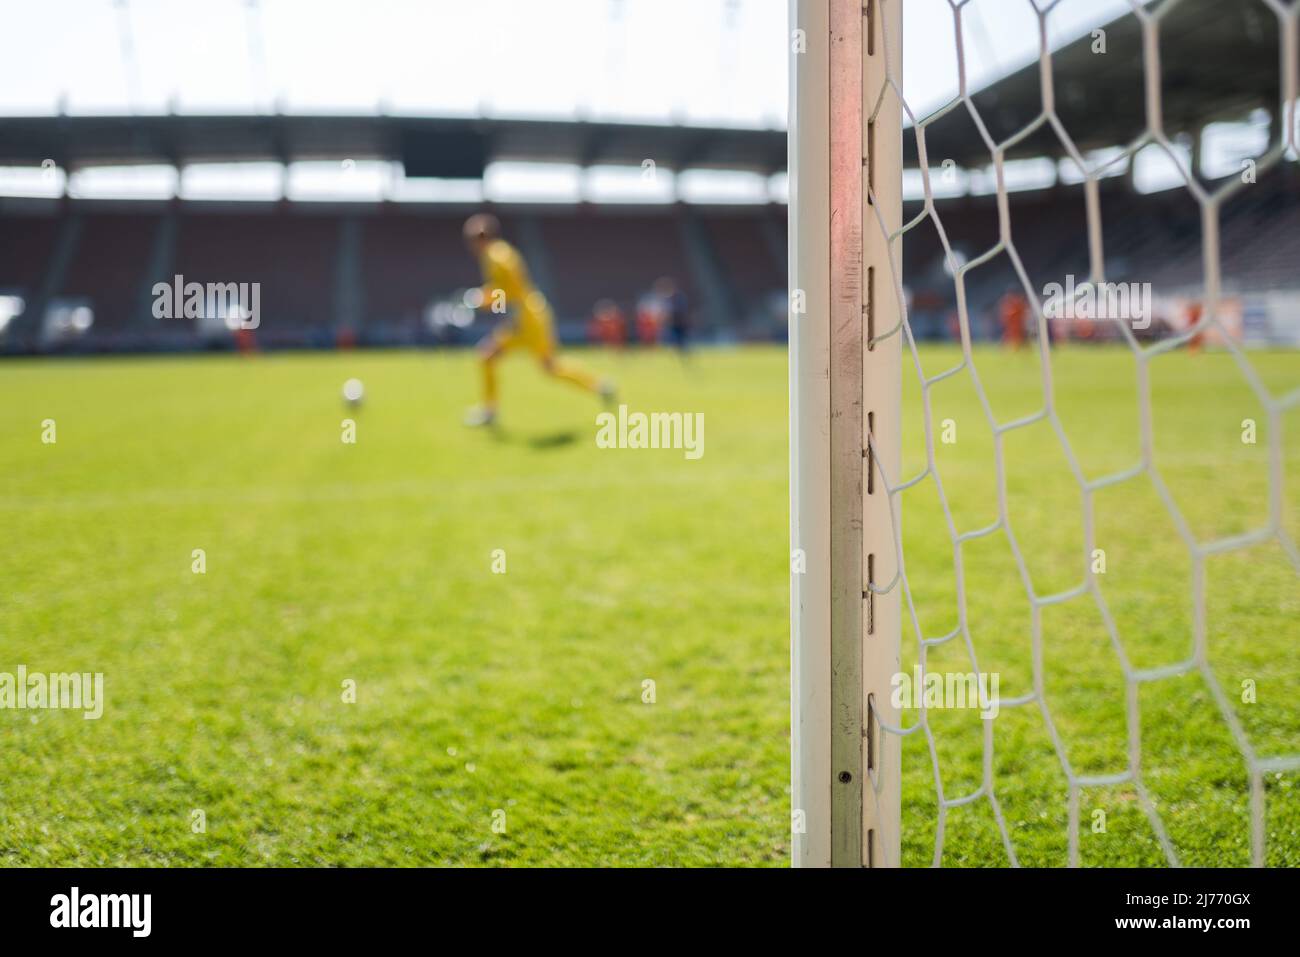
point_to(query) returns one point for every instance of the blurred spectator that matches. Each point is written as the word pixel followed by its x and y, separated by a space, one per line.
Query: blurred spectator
pixel 675 310
pixel 1197 342
pixel 649 318
pixel 1013 310
pixel 608 326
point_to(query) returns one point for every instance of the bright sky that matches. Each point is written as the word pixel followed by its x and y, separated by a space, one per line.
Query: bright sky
pixel 698 60
pixel 701 61
pixel 687 61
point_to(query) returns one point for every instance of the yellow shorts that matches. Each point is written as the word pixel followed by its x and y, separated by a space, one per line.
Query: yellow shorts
pixel 532 330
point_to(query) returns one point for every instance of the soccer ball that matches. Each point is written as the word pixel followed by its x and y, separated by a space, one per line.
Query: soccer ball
pixel 353 392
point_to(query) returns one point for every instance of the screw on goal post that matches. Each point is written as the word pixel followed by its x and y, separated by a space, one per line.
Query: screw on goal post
pixel 846 193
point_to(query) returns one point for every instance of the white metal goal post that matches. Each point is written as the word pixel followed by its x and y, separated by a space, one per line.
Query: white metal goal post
pixel 848 327
pixel 845 189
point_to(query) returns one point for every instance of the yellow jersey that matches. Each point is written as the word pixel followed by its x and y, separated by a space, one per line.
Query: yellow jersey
pixel 506 273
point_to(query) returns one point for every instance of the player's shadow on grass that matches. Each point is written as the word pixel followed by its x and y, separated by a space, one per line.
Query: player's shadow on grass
pixel 543 442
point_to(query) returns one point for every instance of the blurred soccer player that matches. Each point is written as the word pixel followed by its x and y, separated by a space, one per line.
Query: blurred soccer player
pixel 676 312
pixel 507 288
pixel 609 326
pixel 1197 341
pixel 649 312
pixel 1013 310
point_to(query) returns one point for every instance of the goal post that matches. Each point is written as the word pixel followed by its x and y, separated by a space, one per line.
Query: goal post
pixel 845 161
pixel 1010 532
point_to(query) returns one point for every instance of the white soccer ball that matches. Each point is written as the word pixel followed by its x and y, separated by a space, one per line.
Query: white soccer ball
pixel 353 392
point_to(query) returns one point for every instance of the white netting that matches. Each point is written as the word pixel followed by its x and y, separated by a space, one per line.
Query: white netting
pixel 1275 403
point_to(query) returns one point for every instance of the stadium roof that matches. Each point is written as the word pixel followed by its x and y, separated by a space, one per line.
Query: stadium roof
pixel 1218 61
pixel 80 141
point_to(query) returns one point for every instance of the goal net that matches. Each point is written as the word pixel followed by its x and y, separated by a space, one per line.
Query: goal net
pixel 1045 400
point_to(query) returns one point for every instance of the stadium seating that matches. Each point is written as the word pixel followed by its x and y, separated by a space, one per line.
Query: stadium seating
pixel 26 242
pixel 411 256
pixel 407 261
pixel 617 257
pixel 292 256
pixel 1161 246
pixel 109 266
pixel 746 257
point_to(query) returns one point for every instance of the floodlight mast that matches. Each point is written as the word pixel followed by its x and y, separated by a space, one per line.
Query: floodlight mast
pixel 845 161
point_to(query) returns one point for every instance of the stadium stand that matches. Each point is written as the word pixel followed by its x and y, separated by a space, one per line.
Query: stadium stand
pixel 628 252
pixel 373 270
pixel 409 256
pixel 745 246
pixel 406 257
pixel 26 245
pixel 109 266
pixel 1161 246
pixel 293 256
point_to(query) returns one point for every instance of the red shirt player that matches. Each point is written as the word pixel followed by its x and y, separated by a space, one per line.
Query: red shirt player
pixel 1013 310
pixel 647 321
pixel 611 327
pixel 1197 342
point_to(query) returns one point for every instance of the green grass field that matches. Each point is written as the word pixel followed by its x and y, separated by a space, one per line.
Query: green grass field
pixel 523 692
